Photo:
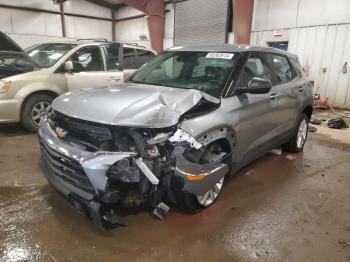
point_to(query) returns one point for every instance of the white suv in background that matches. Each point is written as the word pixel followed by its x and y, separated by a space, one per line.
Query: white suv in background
pixel 63 67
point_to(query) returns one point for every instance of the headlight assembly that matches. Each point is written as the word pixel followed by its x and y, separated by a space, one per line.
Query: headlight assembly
pixel 5 86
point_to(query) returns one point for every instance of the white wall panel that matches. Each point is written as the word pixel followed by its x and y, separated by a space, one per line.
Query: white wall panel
pixel 282 13
pixel 5 20
pixel 169 23
pixel 273 14
pixel 311 14
pixel 28 40
pixel 337 11
pixel 25 22
pixel 129 31
pixel 261 8
pixel 88 28
pixel 318 48
pixel 41 4
pixel 28 27
pixel 320 36
pixel 126 11
pixel 86 8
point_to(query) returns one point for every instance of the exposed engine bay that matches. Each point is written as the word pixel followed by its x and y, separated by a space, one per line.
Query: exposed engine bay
pixel 102 169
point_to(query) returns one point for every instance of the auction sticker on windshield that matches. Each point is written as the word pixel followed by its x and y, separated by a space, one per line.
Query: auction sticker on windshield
pixel 220 55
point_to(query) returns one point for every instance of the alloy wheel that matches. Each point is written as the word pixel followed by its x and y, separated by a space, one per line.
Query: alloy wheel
pixel 209 197
pixel 39 110
pixel 302 132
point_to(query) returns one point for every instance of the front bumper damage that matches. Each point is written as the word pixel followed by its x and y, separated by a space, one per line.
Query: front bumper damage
pixel 81 177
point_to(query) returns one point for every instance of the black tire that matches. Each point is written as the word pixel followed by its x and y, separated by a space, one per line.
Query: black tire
pixel 187 202
pixel 26 112
pixel 292 146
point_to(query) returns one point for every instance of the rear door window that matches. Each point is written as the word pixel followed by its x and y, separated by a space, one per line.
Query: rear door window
pixel 129 58
pixel 143 56
pixel 282 69
pixel 112 57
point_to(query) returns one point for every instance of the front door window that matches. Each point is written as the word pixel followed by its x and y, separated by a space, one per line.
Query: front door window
pixel 88 60
pixel 257 65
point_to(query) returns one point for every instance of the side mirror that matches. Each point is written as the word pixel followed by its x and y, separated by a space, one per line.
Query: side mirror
pixel 68 66
pixel 255 86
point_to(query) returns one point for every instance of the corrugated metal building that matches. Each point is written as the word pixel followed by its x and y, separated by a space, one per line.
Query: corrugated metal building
pixel 319 32
pixel 31 27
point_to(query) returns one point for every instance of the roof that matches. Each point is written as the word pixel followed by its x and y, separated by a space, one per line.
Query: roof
pixel 87 42
pixel 229 48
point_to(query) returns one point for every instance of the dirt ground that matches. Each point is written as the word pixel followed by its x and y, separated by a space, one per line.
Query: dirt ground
pixel 280 208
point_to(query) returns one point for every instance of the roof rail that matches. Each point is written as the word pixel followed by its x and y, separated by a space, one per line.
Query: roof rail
pixel 93 39
pixel 134 44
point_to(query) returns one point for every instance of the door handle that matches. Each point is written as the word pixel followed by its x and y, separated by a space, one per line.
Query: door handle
pixel 113 79
pixel 301 89
pixel 273 96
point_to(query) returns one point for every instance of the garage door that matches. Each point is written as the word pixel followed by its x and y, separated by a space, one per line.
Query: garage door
pixel 201 22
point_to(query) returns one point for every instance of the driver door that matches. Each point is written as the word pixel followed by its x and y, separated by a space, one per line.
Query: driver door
pixel 258 114
pixel 88 69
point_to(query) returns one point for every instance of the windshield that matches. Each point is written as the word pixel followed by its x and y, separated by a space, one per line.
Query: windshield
pixel 46 55
pixel 15 61
pixel 204 71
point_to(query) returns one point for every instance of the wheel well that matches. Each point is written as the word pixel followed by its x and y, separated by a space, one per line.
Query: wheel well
pixel 44 92
pixel 308 111
pixel 224 143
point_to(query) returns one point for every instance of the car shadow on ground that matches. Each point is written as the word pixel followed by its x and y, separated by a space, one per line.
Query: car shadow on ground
pixel 9 130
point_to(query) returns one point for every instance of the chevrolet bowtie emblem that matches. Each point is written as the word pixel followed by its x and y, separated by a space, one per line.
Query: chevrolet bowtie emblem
pixel 61 133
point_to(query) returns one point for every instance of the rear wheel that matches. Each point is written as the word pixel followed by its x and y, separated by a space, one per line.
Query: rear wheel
pixel 33 108
pixel 296 144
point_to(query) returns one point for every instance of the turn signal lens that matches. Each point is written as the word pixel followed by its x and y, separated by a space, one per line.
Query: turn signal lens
pixel 194 178
pixel 5 86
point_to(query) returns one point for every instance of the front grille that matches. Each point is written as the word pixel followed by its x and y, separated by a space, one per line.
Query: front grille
pixel 67 169
pixel 84 131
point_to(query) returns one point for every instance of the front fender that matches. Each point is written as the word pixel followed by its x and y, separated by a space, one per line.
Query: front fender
pixel 36 87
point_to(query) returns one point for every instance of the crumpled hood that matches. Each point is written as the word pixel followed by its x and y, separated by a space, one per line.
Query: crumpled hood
pixel 128 104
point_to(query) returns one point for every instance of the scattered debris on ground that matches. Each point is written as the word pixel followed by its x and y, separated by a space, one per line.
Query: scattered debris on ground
pixel 312 129
pixel 317 121
pixel 337 123
pixel 291 157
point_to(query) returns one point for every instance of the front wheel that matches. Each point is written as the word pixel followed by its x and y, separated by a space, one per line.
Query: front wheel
pixel 296 144
pixel 195 203
pixel 209 197
pixel 33 108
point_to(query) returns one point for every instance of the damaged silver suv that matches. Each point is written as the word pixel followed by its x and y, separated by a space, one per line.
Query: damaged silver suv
pixel 174 130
